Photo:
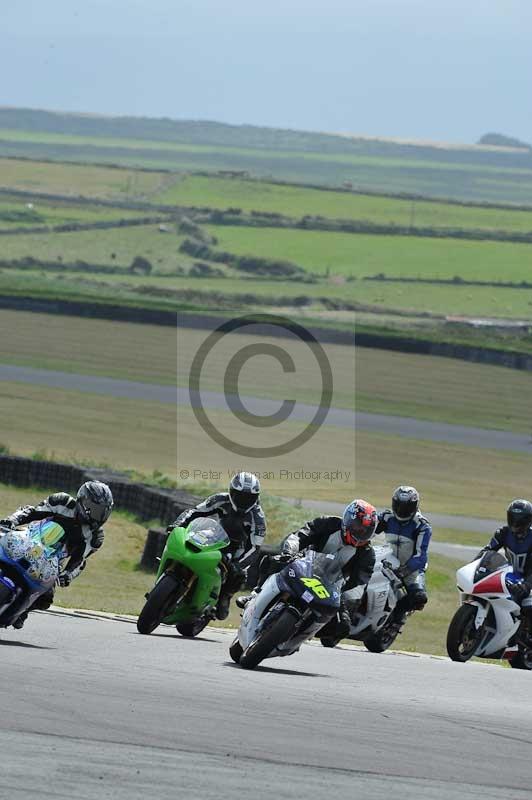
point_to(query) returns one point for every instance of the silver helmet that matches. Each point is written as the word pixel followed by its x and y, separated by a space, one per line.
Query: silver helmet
pixel 244 491
pixel 94 503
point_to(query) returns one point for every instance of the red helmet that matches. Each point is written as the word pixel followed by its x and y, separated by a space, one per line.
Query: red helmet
pixel 358 523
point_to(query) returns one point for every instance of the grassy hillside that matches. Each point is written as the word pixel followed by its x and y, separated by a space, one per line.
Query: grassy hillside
pixel 336 263
pixel 469 173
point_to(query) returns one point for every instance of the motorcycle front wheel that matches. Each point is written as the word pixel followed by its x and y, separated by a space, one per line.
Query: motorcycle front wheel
pixel 522 659
pixel 236 650
pixel 383 638
pixel 281 629
pixel 462 637
pixel 161 600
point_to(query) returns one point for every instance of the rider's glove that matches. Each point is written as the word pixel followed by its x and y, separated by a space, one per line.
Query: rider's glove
pixel 284 558
pixel 290 546
pixel 97 539
pixel 402 571
pixel 518 590
pixel 7 523
pixel 65 579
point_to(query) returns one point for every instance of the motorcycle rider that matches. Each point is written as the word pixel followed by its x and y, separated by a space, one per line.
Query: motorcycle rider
pixel 240 514
pixel 408 533
pixel 516 539
pixel 350 537
pixel 81 518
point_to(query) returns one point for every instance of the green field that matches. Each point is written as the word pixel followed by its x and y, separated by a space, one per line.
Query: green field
pixel 79 180
pixel 117 246
pixel 338 260
pixel 46 213
pixel 218 192
pixel 394 256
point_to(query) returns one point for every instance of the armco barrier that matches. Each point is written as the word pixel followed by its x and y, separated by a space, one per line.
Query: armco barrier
pixel 146 502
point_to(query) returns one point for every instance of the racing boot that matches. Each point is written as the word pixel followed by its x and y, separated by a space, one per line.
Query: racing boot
pixel 222 607
pixel 244 599
pixel 19 622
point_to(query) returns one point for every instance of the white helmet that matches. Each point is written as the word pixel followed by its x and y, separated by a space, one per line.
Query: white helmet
pixel 244 491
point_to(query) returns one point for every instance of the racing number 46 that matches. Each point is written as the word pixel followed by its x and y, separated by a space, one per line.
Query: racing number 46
pixel 317 587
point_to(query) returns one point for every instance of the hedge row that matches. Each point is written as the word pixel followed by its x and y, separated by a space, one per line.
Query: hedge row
pixel 251 264
pixel 259 219
pixel 69 227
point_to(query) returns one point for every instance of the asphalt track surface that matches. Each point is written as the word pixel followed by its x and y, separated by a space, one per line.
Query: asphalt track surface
pixel 93 710
pixel 340 417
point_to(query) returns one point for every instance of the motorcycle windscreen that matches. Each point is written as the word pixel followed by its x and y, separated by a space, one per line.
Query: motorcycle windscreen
pixel 47 532
pixel 206 531
pixel 489 563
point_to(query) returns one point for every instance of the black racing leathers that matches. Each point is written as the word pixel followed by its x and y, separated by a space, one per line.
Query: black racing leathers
pixel 246 529
pixel 80 540
pixel 324 535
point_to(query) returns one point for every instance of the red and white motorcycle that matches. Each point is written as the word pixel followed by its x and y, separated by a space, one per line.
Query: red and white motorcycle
pixel 487 623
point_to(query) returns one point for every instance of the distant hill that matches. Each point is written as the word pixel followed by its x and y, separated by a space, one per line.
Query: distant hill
pixel 500 140
pixel 208 133
pixel 469 172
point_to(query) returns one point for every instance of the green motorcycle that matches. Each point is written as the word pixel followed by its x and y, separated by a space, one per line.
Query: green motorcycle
pixel 189 579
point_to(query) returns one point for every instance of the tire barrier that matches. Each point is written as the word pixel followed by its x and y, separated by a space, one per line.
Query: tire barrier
pixel 146 502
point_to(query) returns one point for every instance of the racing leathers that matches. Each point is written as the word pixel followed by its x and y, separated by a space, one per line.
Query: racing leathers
pixel 409 542
pixel 246 531
pixel 81 540
pixel 518 552
pixel 324 534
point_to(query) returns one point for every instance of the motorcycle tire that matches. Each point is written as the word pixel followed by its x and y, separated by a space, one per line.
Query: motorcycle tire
pixel 522 659
pixel 236 650
pixel 382 639
pixel 462 636
pixel 161 600
pixel 191 629
pixel 329 641
pixel 281 629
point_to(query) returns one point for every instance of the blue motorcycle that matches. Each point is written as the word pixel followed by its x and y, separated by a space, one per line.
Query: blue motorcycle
pixel 30 561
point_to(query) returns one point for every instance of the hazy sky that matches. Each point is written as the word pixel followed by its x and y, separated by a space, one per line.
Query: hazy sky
pixel 434 69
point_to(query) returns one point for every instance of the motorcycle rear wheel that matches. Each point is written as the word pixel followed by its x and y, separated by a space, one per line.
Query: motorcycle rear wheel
pixel 163 597
pixel 191 629
pixel 462 636
pixel 522 659
pixel 279 631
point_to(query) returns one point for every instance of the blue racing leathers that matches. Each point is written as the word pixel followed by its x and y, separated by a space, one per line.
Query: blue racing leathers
pixel 518 552
pixel 409 542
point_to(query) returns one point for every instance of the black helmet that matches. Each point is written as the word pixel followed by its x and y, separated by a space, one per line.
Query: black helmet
pixel 244 491
pixel 519 516
pixel 94 503
pixel 405 503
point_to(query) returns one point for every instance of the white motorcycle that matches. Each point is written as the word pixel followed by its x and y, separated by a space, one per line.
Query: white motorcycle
pixel 290 608
pixel 373 624
pixel 487 623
